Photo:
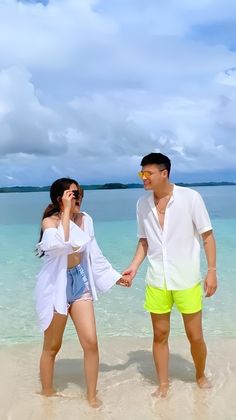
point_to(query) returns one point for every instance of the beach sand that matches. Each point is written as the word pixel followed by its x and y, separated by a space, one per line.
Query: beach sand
pixel 126 380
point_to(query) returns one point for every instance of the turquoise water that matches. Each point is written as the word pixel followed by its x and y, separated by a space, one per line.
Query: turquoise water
pixel 120 311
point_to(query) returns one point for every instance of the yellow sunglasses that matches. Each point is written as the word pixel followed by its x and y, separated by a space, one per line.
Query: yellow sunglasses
pixel 148 174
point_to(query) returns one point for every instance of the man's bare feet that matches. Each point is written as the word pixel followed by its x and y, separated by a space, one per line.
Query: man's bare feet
pixel 204 383
pixel 162 390
pixel 94 402
pixel 50 392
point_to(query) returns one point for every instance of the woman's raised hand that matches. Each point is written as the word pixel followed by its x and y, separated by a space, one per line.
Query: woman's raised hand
pixel 67 197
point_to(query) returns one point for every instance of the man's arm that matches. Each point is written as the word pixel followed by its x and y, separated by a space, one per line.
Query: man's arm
pixel 210 283
pixel 140 254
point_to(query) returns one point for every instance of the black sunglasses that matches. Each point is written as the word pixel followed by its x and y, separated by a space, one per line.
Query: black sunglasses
pixel 76 194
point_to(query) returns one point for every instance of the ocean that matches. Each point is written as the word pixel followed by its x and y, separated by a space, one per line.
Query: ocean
pixel 119 312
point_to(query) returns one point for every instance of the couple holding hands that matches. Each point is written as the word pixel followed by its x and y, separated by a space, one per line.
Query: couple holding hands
pixel 171 220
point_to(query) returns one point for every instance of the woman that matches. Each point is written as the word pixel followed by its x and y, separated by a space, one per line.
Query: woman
pixel 73 270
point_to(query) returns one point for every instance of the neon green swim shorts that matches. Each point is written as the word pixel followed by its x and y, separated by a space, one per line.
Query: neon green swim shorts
pixel 160 301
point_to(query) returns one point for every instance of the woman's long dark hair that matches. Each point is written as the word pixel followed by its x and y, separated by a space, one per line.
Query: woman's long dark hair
pixel 56 192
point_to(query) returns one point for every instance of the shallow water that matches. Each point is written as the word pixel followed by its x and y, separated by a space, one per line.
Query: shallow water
pixel 119 312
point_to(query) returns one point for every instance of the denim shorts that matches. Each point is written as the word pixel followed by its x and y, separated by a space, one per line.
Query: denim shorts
pixel 77 284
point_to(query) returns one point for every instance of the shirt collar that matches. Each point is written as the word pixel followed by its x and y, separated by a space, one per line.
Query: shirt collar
pixel 151 198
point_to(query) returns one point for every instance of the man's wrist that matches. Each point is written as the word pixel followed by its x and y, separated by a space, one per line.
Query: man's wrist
pixel 134 267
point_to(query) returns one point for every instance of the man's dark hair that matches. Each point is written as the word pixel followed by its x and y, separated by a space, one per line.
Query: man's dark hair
pixel 157 159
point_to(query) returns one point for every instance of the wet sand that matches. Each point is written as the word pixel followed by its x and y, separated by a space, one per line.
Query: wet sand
pixel 126 380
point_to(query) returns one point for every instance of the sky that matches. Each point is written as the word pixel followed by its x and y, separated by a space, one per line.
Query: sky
pixel 88 87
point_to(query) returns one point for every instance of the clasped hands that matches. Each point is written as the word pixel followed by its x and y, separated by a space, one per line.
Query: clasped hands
pixel 126 279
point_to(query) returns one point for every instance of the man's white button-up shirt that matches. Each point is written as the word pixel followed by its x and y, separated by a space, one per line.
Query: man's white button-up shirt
pixel 174 250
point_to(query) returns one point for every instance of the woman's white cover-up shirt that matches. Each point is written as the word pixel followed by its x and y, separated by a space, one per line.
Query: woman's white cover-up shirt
pixel 52 279
pixel 174 250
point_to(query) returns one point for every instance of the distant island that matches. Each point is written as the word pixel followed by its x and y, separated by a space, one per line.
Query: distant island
pixel 112 186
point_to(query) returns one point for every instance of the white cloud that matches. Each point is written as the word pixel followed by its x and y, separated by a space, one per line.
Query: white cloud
pixel 88 87
pixel 228 77
pixel 26 125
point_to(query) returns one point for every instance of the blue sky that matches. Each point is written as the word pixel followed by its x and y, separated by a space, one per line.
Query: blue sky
pixel 88 87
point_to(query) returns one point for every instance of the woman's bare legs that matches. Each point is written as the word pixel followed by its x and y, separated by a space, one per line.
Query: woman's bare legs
pixel 82 314
pixel 52 344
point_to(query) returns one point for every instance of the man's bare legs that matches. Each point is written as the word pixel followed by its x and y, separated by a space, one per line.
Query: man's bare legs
pixel 161 330
pixel 193 328
pixel 82 314
pixel 52 344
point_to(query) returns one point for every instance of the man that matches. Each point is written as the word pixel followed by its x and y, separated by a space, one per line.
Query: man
pixel 171 220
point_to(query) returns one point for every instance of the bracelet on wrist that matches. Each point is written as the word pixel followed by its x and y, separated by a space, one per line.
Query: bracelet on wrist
pixel 211 269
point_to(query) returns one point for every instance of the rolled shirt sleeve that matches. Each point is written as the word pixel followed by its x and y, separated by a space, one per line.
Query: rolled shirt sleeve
pixel 140 222
pixel 200 215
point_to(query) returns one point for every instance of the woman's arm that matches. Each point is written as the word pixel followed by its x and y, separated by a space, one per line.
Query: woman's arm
pixel 54 242
pixel 104 275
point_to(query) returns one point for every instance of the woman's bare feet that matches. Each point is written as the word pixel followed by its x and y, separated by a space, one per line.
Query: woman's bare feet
pixel 94 402
pixel 162 390
pixel 204 383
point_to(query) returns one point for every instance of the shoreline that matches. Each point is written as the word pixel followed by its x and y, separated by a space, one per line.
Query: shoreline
pixel 126 380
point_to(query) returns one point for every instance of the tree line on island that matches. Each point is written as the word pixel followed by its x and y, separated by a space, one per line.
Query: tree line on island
pixel 110 186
